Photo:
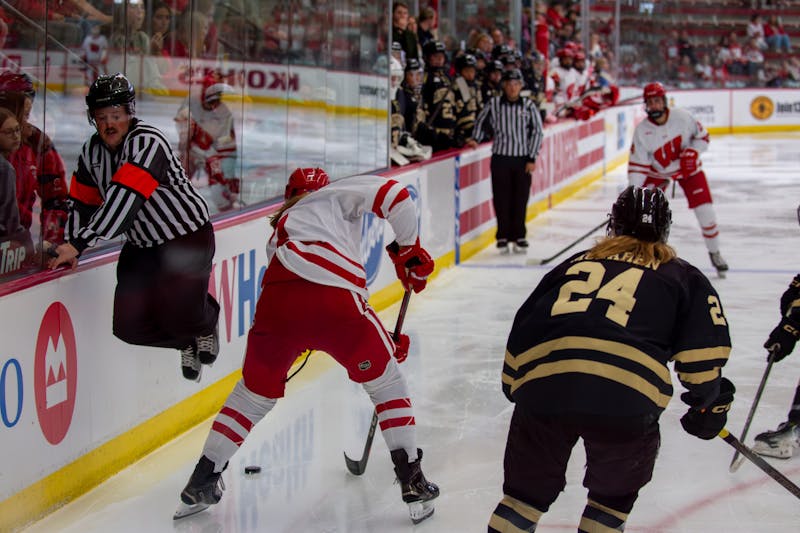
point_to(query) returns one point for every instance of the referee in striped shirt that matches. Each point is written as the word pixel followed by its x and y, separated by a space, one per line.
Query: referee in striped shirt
pixel 130 182
pixel 516 126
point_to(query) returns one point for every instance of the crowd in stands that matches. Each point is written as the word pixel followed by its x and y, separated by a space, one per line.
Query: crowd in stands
pixel 439 91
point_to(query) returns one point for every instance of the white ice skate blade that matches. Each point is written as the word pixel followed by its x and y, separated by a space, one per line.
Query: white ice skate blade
pixel 721 274
pixel 520 250
pixel 419 511
pixel 185 510
pixel 504 250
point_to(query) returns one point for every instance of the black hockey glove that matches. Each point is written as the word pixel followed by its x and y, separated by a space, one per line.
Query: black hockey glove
pixel 708 422
pixel 782 339
pixel 790 295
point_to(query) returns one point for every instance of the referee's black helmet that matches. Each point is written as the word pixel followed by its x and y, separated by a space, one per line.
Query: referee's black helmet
pixel 111 90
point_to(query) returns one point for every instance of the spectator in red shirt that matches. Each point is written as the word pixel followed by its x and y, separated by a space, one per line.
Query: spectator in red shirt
pixel 775 35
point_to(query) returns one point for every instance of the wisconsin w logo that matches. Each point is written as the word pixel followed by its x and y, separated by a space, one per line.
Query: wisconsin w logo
pixel 668 153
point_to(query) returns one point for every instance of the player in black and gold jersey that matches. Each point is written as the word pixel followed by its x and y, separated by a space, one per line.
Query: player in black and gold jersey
pixel 587 357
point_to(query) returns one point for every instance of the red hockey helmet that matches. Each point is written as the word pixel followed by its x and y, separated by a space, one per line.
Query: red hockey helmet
pixel 17 82
pixel 304 180
pixel 654 89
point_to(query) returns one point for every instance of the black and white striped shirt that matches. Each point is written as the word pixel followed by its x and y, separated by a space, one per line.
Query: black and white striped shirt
pixel 140 190
pixel 515 126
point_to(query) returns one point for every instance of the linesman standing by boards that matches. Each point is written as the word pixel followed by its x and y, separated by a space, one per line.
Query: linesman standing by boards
pixel 587 358
pixel 515 126
pixel 130 182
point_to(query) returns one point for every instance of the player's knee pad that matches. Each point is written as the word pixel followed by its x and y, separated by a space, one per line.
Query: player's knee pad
pixel 251 405
pixel 389 385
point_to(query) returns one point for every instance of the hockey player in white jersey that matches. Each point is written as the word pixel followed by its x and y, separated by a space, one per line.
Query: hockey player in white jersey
pixel 667 146
pixel 314 296
pixel 207 140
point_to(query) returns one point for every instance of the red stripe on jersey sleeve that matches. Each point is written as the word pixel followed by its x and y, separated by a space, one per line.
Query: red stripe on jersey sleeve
pixel 397 422
pixel 402 195
pixel 380 197
pixel 86 194
pixel 329 266
pixel 136 178
pixel 399 403
pixel 227 432
pixel 239 417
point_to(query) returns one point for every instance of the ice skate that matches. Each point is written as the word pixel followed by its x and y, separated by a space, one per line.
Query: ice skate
pixel 502 245
pixel 190 363
pixel 782 443
pixel 418 492
pixel 203 490
pixel 208 346
pixel 719 263
pixel 520 246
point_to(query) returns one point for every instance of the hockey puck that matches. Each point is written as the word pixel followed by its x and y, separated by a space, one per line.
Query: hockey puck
pixel 253 469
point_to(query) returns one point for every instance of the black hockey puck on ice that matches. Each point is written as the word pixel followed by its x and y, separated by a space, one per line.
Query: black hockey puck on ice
pixel 253 469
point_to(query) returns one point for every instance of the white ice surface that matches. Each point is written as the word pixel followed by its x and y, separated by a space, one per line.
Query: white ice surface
pixel 458 328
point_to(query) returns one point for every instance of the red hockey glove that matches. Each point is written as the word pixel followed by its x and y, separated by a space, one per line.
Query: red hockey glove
pixel 782 339
pixel 234 184
pixel 690 162
pixel 583 113
pixel 214 170
pixel 412 264
pixel 708 422
pixel 401 347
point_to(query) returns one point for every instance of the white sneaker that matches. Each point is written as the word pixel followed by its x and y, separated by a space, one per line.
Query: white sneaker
pixel 782 443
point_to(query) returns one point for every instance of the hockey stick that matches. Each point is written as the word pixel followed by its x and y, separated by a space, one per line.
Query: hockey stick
pixel 576 241
pixel 358 467
pixel 737 461
pixel 759 462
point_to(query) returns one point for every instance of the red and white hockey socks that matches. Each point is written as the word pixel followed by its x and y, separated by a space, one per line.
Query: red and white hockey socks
pixel 708 225
pixel 389 393
pixel 242 410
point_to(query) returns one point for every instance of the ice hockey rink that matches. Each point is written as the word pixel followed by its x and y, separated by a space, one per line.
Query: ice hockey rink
pixel 458 328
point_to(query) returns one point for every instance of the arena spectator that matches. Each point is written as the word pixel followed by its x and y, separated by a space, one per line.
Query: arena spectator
pixel 190 34
pixel 775 35
pixel 12 234
pixel 161 29
pixel 127 27
pixel 400 32
pixel 426 25
pixel 755 30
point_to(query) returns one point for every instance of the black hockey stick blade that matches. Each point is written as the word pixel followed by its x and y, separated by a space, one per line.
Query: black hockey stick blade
pixel 760 462
pixel 737 461
pixel 575 242
pixel 357 467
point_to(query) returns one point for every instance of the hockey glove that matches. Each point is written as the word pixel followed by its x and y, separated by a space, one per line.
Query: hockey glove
pixel 790 295
pixel 401 347
pixel 412 264
pixel 782 339
pixel 708 422
pixel 690 162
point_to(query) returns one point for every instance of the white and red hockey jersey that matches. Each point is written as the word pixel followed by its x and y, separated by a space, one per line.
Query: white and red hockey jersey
pixel 204 132
pixel 319 238
pixel 656 149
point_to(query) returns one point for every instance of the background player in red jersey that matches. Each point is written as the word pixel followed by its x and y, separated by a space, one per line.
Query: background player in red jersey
pixel 667 146
pixel 587 358
pixel 314 296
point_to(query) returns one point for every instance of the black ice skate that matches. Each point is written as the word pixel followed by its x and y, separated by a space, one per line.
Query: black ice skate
pixel 190 363
pixel 719 263
pixel 208 346
pixel 520 246
pixel 502 245
pixel 203 490
pixel 782 443
pixel 418 492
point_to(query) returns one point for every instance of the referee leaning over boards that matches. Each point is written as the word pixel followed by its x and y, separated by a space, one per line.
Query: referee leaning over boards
pixel 129 181
pixel 516 126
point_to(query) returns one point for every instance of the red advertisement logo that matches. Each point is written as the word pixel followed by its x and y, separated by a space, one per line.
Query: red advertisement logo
pixel 55 373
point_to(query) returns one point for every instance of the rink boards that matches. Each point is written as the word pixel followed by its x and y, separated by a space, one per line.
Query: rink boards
pixel 77 405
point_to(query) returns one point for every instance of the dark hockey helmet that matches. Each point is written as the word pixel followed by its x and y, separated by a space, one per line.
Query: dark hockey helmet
pixel 413 65
pixel 113 90
pixel 480 55
pixel 433 47
pixel 17 82
pixel 500 50
pixel 465 60
pixel 641 213
pixel 512 74
pixel 304 180
pixel 494 66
